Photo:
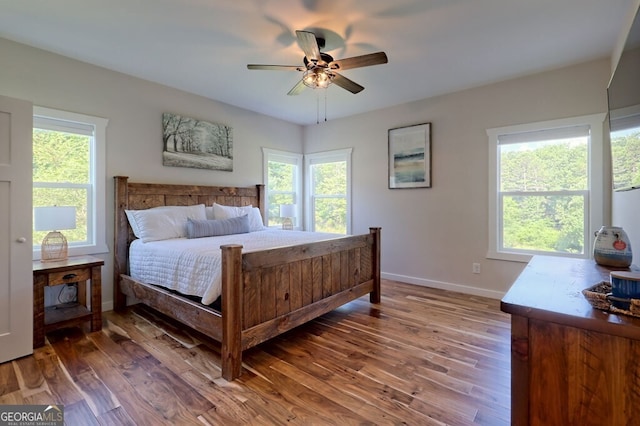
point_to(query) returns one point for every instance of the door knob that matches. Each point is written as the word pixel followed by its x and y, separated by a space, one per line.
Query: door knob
pixel 22 240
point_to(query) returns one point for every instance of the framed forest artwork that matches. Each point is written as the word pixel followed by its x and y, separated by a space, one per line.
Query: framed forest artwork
pixel 189 142
pixel 410 156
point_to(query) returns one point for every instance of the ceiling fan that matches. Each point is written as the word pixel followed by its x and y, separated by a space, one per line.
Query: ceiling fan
pixel 320 69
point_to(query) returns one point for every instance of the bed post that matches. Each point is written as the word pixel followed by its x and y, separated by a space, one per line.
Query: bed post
pixel 231 351
pixel 262 202
pixel 121 237
pixel 374 296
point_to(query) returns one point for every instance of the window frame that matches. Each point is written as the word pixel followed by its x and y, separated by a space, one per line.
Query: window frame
pixel 96 205
pixel 594 199
pixel 286 157
pixel 321 158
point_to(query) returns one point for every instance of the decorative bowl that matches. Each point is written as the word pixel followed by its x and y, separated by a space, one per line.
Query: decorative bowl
pixel 625 285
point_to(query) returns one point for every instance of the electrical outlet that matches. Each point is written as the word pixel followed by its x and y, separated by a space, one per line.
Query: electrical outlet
pixel 475 268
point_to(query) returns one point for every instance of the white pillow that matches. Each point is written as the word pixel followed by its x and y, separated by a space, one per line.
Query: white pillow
pixel 255 220
pixel 209 212
pixel 228 212
pixel 163 223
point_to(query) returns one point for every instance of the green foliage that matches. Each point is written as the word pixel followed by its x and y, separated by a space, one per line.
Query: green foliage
pixel 330 178
pixel 281 178
pixel 330 215
pixel 532 219
pixel 330 190
pixel 544 223
pixel 61 158
pixel 556 167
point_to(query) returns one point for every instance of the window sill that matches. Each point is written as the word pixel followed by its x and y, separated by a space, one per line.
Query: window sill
pixel 510 257
pixel 525 258
pixel 79 251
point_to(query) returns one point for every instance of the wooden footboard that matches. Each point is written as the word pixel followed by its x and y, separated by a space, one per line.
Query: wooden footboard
pixel 269 292
pixel 264 293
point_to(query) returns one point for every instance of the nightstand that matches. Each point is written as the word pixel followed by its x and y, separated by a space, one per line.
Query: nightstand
pixel 77 269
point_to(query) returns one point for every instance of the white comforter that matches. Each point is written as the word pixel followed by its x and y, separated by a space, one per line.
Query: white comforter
pixel 193 266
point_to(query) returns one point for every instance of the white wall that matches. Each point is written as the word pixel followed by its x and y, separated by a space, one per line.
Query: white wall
pixel 134 108
pixel 432 236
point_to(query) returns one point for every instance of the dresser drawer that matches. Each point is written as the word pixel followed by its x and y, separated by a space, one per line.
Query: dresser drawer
pixel 67 277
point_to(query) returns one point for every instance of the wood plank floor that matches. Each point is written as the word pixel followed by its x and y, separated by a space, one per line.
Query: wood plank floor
pixel 421 357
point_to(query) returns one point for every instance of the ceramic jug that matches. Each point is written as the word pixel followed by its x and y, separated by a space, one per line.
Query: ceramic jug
pixel 612 247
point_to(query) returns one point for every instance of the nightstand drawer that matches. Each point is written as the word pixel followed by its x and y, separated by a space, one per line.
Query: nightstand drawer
pixel 68 277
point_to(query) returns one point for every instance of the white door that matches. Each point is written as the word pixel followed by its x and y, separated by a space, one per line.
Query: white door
pixel 16 246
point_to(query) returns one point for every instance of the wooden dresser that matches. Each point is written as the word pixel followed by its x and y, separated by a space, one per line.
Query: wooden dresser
pixel 570 364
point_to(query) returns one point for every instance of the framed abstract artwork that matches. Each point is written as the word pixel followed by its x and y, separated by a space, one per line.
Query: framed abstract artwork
pixel 410 156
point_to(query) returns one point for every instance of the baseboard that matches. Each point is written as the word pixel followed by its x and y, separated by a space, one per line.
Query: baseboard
pixel 492 294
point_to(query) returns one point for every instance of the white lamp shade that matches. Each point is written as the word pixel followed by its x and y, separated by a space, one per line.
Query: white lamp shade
pixel 54 218
pixel 287 210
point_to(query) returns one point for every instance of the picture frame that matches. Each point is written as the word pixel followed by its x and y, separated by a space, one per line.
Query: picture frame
pixel 409 154
pixel 195 143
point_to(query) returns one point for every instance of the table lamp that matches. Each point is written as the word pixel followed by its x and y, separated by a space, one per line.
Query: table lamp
pixel 287 211
pixel 54 245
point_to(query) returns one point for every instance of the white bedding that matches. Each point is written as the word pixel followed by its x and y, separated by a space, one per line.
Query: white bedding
pixel 193 266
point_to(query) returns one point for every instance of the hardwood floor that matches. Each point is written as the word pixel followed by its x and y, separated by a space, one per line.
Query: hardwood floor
pixel 423 356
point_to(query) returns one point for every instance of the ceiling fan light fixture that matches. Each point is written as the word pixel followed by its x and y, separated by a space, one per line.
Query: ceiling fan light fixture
pixel 317 78
pixel 320 70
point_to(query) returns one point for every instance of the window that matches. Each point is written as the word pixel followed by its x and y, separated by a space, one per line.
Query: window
pixel 329 191
pixel 545 185
pixel 283 180
pixel 625 147
pixel 69 170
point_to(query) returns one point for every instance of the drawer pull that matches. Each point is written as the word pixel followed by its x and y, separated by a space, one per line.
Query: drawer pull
pixel 69 276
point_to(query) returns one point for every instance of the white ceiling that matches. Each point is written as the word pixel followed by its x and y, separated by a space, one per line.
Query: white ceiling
pixel 434 46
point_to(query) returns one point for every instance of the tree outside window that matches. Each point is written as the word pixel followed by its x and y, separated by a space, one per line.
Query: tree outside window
pixel 61 166
pixel 329 191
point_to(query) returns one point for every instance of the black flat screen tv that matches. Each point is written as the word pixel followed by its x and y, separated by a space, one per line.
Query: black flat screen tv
pixel 624 113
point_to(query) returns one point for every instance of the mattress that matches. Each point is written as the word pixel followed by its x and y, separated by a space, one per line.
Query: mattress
pixel 193 266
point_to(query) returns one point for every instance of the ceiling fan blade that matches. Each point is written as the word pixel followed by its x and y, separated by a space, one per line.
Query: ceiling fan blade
pixel 275 67
pixel 347 84
pixel 297 89
pixel 309 45
pixel 359 61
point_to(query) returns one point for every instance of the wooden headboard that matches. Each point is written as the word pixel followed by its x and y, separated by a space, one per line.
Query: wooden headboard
pixel 138 196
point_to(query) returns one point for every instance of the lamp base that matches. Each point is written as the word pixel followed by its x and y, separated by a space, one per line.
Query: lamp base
pixel 287 224
pixel 54 247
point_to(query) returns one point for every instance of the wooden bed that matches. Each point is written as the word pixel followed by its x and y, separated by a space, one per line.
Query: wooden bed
pixel 264 293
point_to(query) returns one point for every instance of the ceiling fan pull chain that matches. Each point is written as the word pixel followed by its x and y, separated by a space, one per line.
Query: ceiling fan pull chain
pixel 325 105
pixel 317 108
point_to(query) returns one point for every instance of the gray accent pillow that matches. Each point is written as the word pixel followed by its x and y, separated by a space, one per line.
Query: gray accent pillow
pixel 212 228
